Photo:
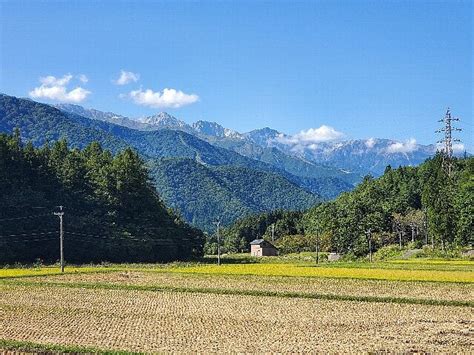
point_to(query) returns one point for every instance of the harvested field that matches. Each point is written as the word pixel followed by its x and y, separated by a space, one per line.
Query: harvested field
pixel 304 285
pixel 190 322
pixel 44 271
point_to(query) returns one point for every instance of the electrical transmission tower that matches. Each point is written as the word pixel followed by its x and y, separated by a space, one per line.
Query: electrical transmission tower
pixel 448 140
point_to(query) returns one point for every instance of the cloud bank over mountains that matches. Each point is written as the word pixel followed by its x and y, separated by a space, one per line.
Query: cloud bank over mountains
pixel 312 135
pixel 168 98
pixel 403 147
pixel 61 90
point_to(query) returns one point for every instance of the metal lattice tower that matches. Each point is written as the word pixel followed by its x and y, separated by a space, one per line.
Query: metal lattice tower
pixel 448 139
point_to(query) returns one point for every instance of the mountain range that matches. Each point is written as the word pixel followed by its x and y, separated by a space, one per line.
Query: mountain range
pixel 348 160
pixel 206 171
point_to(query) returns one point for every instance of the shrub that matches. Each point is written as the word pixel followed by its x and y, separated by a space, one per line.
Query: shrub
pixel 388 252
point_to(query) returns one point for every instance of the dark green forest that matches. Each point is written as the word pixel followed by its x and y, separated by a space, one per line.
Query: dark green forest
pixel 112 210
pixel 419 205
pixel 208 174
pixel 204 193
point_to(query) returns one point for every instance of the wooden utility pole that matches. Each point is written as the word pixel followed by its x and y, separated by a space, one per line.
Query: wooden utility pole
pixel 317 245
pixel 218 223
pixel 369 237
pixel 425 225
pixel 273 232
pixel 60 214
pixel 400 234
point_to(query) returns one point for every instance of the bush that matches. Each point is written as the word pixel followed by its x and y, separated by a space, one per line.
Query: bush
pixel 307 256
pixel 388 252
pixel 295 244
pixel 450 253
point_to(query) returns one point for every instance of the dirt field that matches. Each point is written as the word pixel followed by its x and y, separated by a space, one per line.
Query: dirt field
pixel 174 321
pixel 351 287
pixel 167 309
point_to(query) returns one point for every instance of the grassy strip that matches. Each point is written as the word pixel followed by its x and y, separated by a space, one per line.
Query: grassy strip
pixel 432 261
pixel 335 277
pixel 392 265
pixel 284 294
pixel 355 266
pixel 28 346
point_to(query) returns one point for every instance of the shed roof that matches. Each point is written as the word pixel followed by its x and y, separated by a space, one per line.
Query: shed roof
pixel 262 243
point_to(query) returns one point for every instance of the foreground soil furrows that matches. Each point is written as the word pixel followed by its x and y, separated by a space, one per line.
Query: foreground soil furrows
pixel 442 292
pixel 180 322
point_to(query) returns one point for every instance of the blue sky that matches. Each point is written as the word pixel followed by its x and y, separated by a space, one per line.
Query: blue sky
pixel 368 69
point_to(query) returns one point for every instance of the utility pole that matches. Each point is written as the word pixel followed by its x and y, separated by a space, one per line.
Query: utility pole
pixel 425 225
pixel 273 232
pixel 60 214
pixel 399 232
pixel 218 223
pixel 369 237
pixel 448 140
pixel 317 245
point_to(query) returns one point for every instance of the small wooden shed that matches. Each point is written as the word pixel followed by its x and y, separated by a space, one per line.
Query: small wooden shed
pixel 260 247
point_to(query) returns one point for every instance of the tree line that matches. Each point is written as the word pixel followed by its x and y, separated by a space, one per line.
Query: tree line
pixel 420 205
pixel 112 210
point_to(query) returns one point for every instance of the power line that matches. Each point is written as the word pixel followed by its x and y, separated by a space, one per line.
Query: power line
pixel 27 234
pixel 26 217
pixel 29 240
pixel 125 238
pixel 119 242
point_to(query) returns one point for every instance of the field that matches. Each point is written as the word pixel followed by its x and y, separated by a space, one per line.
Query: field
pixel 403 306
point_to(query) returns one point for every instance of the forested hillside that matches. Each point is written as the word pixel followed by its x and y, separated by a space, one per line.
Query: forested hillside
pixel 204 193
pixel 40 123
pixel 112 211
pixel 421 204
pixel 326 181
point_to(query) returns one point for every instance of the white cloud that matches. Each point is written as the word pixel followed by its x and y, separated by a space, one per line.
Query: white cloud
pixel 312 136
pixel 407 147
pixel 127 77
pixel 53 81
pixel 458 147
pixel 83 78
pixel 53 88
pixel 168 98
pixel 369 143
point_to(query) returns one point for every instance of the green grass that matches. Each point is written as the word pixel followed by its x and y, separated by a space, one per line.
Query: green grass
pixel 457 271
pixel 27 346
